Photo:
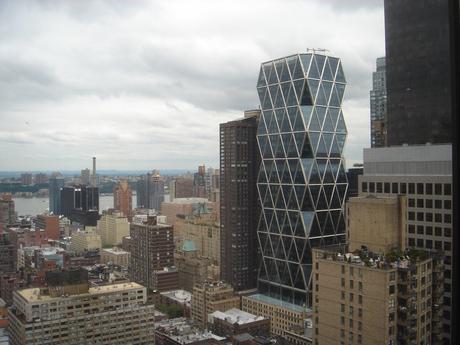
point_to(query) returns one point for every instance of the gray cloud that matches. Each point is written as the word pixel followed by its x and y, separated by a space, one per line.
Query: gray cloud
pixel 145 84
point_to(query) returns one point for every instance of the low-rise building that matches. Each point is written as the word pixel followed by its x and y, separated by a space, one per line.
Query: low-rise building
pixel 284 316
pixel 70 312
pixel 209 297
pixel 84 241
pixel 235 321
pixel 116 256
pixel 180 298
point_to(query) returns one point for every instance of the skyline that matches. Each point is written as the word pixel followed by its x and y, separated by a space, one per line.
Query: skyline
pixel 146 86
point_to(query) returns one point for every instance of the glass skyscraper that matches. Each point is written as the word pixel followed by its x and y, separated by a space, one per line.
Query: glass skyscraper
pixel 302 182
pixel 378 103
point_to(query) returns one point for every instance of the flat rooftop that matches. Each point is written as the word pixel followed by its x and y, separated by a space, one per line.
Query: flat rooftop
pixel 277 302
pixel 181 296
pixel 115 251
pixel 236 315
pixel 35 295
pixel 188 201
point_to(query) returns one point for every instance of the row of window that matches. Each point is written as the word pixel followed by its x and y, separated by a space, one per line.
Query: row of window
pixel 429 203
pixel 428 217
pixel 407 188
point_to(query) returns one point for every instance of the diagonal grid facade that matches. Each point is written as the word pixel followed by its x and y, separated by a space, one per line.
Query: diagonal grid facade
pixel 302 182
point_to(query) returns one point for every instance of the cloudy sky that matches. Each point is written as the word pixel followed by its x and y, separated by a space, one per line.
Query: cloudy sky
pixel 145 84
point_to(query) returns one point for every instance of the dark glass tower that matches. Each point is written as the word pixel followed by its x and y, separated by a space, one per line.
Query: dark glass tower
pixel 378 103
pixel 239 209
pixel 302 182
pixel 55 185
pixel 418 72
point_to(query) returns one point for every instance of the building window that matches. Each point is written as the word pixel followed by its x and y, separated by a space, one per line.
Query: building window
pixel 360 312
pixel 420 188
pixel 411 228
pixel 379 187
pixel 343 269
pixel 420 216
pixel 438 218
pixel 429 244
pixel 343 294
pixel 438 231
pixel 411 242
pixel 343 282
pixel 447 204
pixel 351 297
pixel 402 187
pixel 364 187
pixel 386 187
pixel 394 188
pixel 372 187
pixel 447 232
pixel 429 203
pixel 342 308
pixel 428 188
pixel 429 217
pixel 438 204
pixel 350 323
pixel 360 299
pixel 411 202
pixel 360 286
pixel 447 189
pixel 429 230
pixel 411 188
pixel 438 189
pixel 420 243
pixel 420 203
pixel 447 246
pixel 351 284
pixel 420 229
pixel 411 216
pixel 447 218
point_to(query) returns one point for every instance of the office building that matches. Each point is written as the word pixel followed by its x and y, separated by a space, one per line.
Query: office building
pixel 152 248
pixel 424 174
pixel 80 204
pixel 150 191
pixel 166 279
pixel 352 177
pixel 378 102
pixel 302 182
pixel 181 188
pixel 209 297
pixel 180 298
pixel 26 178
pixel 239 208
pixel 85 176
pixel 235 321
pixel 49 223
pixel 112 226
pixel 7 254
pixel 85 240
pixel 284 316
pixel 200 185
pixel 180 208
pixel 68 311
pixel 123 198
pixel 418 72
pixel 54 191
pixel 7 211
pixel 40 178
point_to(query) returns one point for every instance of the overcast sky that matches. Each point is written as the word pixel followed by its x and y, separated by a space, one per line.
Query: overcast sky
pixel 145 84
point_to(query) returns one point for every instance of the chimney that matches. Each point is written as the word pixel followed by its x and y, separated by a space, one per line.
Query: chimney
pixel 93 179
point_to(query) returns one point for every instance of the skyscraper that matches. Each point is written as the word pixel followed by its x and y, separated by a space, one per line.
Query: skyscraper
pixel 418 72
pixel 239 166
pixel 150 191
pixel 199 183
pixel 85 176
pixel 302 182
pixel 123 198
pixel 55 185
pixel 379 105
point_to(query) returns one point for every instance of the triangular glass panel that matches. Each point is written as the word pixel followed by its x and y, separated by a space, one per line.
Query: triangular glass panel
pixel 314 191
pixel 291 61
pixel 340 141
pixel 313 72
pixel 327 125
pixel 298 72
pixel 293 218
pixel 327 89
pixel 298 85
pixel 335 150
pixel 328 227
pixel 334 114
pixel 335 201
pixel 321 167
pixel 314 175
pixel 279 68
pixel 334 101
pixel 313 85
pixel 321 150
pixel 292 99
pixel 306 111
pixel 328 191
pixel 321 112
pixel 299 282
pixel 333 62
pixel 292 114
pixel 261 81
pixel 292 203
pixel 314 139
pixel 315 230
pixel 340 91
pixel 306 59
pixel 285 87
pixel 307 151
pixel 341 128
pixel 327 74
pixel 314 123
pixel 320 97
pixel 279 102
pixel 279 118
pixel 328 139
pixel 308 219
pixel 322 216
pixel 299 178
pixel 335 217
pixel 262 188
pixel 262 140
pixel 286 178
pixel 307 163
pixel 261 129
pixel 293 149
pixel 285 74
pixel 268 68
pixel 273 91
pixel 340 77
pixel 300 192
pixel 320 59
pixel 268 218
pixel 286 138
pixel 298 122
pixel 328 177
pixel 342 189
pixel 299 140
pixel 335 164
pixel 268 201
pixel 262 177
pixel 342 177
pixel 341 227
pixel 322 202
pixel 306 97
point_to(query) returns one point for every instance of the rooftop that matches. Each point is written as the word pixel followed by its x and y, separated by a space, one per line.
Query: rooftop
pixel 238 316
pixel 37 294
pixel 183 331
pixel 188 201
pixel 116 251
pixel 278 303
pixel 181 296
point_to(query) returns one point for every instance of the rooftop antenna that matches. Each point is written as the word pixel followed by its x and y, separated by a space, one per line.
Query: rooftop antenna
pixel 318 50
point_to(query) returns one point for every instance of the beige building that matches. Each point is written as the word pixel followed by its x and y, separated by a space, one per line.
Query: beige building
pixel 76 314
pixel 376 292
pixel 85 240
pixel 210 297
pixel 283 316
pixel 194 269
pixel 183 207
pixel 116 256
pixel 112 228
pixel 204 231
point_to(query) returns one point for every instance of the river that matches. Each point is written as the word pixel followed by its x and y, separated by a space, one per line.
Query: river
pixel 34 206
